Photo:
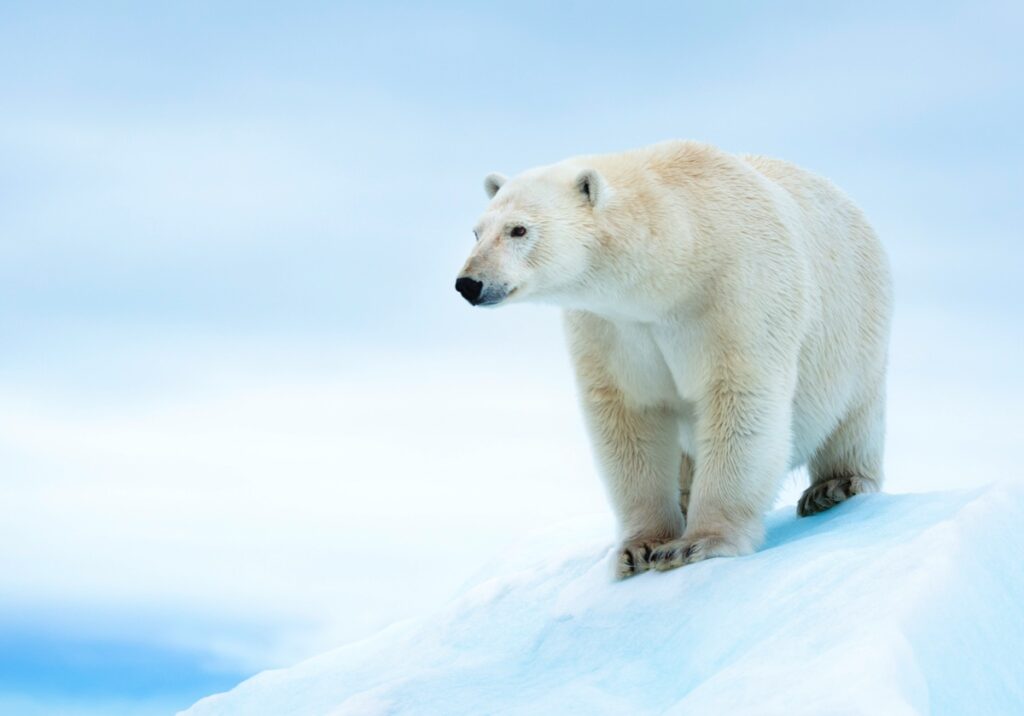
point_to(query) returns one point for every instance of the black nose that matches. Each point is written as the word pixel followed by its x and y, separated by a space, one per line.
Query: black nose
pixel 469 288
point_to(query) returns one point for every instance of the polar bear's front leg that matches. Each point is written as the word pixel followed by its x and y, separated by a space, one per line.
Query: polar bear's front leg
pixel 743 449
pixel 638 452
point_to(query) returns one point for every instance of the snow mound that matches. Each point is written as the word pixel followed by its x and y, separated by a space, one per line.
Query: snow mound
pixel 887 604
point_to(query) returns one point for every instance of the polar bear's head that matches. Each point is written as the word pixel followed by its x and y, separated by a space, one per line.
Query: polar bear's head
pixel 536 239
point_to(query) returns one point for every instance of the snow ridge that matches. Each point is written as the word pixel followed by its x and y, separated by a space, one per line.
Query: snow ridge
pixel 887 604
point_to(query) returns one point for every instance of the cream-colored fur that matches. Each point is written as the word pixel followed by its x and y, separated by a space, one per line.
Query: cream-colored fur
pixel 728 320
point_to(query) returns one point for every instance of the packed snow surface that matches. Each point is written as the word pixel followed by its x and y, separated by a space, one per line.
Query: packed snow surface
pixel 887 604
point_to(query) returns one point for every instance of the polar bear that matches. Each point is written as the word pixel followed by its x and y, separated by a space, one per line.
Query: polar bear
pixel 728 320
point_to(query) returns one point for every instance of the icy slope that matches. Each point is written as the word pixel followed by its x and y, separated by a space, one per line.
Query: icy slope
pixel 888 604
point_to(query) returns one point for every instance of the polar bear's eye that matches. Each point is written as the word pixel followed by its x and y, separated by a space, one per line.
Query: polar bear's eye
pixel 518 231
pixel 476 236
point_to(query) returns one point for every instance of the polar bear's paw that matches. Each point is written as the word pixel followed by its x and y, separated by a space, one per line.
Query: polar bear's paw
pixel 824 495
pixel 634 557
pixel 691 549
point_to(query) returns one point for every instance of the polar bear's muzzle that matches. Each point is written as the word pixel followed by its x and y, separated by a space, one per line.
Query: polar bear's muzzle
pixel 478 293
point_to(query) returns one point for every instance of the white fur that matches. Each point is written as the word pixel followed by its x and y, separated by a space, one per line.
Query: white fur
pixel 728 319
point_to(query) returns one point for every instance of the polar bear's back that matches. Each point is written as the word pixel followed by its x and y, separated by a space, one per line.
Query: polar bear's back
pixel 848 262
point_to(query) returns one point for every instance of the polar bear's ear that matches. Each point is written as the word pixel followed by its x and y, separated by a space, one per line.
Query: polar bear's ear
pixel 492 183
pixel 591 185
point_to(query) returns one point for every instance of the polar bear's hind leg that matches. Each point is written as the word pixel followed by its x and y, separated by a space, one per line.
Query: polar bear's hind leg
pixel 850 462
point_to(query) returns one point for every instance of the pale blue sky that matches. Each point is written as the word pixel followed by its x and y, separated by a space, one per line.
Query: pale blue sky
pixel 228 236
